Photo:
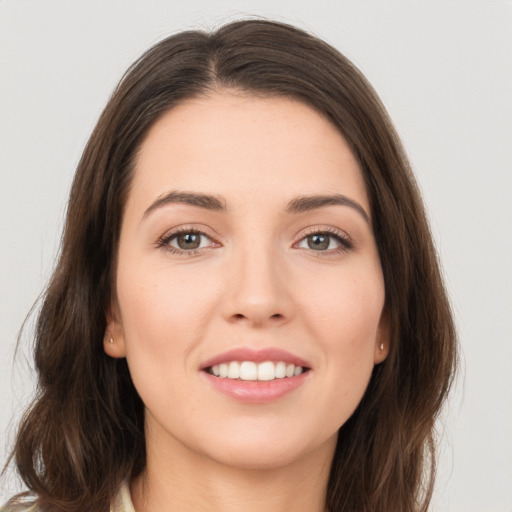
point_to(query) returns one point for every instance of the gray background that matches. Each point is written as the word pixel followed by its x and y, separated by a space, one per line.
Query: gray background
pixel 442 68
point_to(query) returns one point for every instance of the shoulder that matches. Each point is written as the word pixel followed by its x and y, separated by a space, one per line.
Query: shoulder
pixel 19 507
pixel 121 503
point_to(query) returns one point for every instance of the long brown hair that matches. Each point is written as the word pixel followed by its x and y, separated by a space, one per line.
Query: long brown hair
pixel 84 433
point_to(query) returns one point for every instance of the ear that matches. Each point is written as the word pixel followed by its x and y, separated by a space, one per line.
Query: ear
pixel 113 340
pixel 382 340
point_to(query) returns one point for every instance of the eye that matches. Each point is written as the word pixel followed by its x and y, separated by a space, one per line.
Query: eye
pixel 185 241
pixel 325 241
pixel 188 241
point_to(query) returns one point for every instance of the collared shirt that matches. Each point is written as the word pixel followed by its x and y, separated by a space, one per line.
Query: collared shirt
pixel 122 502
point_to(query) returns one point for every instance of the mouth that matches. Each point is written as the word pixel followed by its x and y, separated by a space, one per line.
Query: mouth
pixel 255 371
pixel 256 376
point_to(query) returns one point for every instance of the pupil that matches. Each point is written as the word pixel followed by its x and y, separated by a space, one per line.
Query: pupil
pixel 318 242
pixel 189 241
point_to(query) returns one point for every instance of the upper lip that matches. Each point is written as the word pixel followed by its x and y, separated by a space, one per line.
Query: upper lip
pixel 255 355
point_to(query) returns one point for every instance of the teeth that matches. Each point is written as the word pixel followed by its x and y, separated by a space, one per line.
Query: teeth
pixel 223 370
pixel 234 370
pixel 280 370
pixel 248 370
pixel 266 371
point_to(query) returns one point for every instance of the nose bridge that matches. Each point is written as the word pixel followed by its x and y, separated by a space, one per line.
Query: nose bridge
pixel 258 291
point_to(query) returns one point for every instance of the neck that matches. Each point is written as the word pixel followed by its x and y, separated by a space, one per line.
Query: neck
pixel 180 480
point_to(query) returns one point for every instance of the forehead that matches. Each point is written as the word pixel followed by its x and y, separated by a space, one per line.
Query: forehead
pixel 229 143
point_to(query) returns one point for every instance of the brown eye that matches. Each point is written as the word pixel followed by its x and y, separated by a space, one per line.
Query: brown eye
pixel 188 241
pixel 318 242
pixel 323 241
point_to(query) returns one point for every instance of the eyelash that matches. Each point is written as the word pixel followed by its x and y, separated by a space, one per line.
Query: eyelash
pixel 345 243
pixel 165 241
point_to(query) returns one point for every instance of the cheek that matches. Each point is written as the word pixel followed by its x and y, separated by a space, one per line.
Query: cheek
pixel 344 316
pixel 163 317
pixel 347 307
pixel 163 310
pixel 348 345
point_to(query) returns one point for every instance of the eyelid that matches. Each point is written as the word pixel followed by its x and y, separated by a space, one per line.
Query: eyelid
pixel 346 243
pixel 164 240
pixel 345 240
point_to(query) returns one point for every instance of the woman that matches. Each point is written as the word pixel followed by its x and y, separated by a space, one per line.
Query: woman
pixel 247 310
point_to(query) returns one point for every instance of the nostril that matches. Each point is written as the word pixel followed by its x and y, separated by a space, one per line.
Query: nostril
pixel 241 316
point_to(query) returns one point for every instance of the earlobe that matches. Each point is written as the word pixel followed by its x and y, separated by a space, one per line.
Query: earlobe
pixel 114 347
pixel 381 352
pixel 382 342
pixel 113 340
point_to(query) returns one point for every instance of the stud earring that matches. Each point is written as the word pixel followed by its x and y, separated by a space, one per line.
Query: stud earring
pixel 111 340
pixel 381 345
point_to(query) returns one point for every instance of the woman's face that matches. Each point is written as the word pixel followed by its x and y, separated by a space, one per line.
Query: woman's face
pixel 246 249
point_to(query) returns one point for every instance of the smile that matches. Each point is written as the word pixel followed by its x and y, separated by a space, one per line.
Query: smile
pixel 256 376
pixel 252 371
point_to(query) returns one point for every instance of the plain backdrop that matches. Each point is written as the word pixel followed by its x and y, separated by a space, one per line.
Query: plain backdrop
pixel 443 70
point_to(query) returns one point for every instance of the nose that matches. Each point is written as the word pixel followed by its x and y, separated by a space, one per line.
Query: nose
pixel 259 292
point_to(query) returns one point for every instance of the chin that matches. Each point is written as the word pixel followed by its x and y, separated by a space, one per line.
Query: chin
pixel 270 452
pixel 260 457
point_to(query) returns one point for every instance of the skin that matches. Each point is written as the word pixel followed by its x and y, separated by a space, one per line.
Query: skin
pixel 254 282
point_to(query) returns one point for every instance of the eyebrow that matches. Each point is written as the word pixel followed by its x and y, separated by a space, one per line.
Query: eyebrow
pixel 307 203
pixel 217 203
pixel 209 202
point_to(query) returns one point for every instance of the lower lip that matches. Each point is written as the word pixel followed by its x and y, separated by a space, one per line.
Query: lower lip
pixel 256 391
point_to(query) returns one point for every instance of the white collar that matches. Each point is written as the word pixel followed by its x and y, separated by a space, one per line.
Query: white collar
pixel 122 501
